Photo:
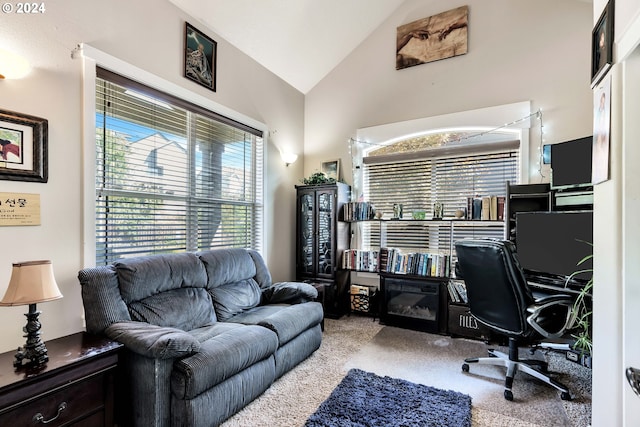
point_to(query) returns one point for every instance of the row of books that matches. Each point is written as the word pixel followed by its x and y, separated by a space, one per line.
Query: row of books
pixel 486 208
pixel 418 263
pixel 362 260
pixel 457 291
pixel 358 211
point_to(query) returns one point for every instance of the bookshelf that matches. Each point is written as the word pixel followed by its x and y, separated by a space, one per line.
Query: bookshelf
pixel 428 252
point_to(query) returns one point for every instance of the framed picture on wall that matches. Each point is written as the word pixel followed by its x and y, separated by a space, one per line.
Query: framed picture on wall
pixel 200 57
pixel 331 169
pixel 23 147
pixel 601 131
pixel 602 44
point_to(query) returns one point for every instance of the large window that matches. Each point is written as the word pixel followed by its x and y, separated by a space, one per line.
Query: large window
pixel 171 176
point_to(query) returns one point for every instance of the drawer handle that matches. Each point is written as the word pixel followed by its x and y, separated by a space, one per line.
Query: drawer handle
pixel 39 418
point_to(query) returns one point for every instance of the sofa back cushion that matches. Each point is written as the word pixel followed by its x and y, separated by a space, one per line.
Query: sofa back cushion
pixel 232 281
pixel 166 290
pixel 234 298
pixel 185 308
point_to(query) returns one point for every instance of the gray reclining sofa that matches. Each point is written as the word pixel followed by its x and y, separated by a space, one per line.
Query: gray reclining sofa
pixel 204 333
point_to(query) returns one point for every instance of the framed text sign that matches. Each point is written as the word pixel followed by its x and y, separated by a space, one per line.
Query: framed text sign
pixel 19 209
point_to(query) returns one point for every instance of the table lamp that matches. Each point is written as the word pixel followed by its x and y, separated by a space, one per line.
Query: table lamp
pixel 31 282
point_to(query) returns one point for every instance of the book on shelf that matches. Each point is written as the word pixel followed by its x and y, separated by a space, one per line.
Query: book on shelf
pixel 394 261
pixel 477 208
pixel 358 211
pixel 493 208
pixel 501 201
pixel 485 208
pixel 361 260
pixel 485 213
pixel 461 290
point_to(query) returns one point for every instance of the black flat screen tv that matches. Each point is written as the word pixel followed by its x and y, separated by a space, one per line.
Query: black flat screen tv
pixel 571 163
pixel 550 244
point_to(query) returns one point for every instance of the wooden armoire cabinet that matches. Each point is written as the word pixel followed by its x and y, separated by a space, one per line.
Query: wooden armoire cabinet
pixel 321 238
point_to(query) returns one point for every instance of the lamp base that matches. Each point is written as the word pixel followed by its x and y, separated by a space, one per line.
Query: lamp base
pixel 34 352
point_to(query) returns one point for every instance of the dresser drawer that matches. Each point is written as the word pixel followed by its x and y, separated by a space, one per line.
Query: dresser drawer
pixel 70 404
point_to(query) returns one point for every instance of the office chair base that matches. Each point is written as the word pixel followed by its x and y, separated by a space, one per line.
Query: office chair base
pixel 499 358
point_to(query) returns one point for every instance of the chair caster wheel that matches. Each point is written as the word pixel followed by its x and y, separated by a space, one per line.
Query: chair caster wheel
pixel 465 367
pixel 508 395
pixel 565 396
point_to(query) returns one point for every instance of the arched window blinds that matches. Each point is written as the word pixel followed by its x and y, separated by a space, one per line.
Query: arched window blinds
pixel 420 182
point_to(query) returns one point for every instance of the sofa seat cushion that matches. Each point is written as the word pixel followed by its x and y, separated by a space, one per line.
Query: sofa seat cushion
pixel 233 298
pixel 207 332
pixel 220 358
pixel 287 321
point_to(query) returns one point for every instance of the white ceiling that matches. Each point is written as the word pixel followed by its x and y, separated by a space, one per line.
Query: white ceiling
pixel 300 41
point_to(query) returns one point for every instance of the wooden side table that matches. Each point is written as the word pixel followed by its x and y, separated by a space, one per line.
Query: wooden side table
pixel 74 388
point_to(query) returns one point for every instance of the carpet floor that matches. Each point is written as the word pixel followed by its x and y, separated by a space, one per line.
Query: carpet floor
pixel 433 360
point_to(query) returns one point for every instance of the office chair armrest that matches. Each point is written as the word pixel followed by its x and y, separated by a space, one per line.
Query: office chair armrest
pixel 544 302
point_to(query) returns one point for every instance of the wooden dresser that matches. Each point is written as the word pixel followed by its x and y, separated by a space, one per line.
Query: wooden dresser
pixel 74 388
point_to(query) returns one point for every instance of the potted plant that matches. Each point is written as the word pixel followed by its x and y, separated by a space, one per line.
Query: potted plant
pixel 581 312
pixel 318 178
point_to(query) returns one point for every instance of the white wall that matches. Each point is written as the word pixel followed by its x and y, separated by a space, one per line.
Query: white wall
pixel 536 51
pixel 616 235
pixel 149 35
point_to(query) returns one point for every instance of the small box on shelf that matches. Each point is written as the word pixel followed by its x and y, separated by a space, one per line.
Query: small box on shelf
pixel 363 299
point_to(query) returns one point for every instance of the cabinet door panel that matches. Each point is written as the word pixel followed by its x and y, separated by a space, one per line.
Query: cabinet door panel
pixel 326 214
pixel 306 233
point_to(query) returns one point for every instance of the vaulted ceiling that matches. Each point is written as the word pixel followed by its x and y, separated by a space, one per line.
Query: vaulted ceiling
pixel 300 41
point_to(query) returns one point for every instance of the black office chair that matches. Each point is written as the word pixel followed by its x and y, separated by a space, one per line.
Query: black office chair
pixel 500 298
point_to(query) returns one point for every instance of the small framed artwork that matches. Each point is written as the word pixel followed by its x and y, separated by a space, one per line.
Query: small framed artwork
pixel 601 129
pixel 23 147
pixel 602 44
pixel 331 169
pixel 200 57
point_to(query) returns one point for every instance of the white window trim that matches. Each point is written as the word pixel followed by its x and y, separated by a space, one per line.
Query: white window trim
pixel 91 58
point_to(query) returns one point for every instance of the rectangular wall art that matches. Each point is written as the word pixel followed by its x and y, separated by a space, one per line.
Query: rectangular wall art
pixel 200 57
pixel 23 147
pixel 430 39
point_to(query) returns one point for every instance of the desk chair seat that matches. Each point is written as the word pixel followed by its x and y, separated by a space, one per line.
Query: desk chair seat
pixel 500 298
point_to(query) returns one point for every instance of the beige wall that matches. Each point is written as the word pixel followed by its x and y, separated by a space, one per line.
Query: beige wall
pixel 149 35
pixel 536 51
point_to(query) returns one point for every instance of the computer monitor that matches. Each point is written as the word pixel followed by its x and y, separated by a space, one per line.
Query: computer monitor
pixel 571 163
pixel 551 244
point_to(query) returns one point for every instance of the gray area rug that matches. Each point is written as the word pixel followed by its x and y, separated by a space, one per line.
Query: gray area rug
pixel 363 399
pixel 422 358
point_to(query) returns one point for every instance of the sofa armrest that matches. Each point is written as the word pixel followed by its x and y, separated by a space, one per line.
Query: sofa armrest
pixel 289 292
pixel 153 341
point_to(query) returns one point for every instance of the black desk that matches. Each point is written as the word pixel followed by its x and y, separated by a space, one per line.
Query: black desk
pixel 554 284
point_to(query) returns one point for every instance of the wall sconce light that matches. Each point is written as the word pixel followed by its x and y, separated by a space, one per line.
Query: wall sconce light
pixel 288 158
pixel 12 66
pixel 31 282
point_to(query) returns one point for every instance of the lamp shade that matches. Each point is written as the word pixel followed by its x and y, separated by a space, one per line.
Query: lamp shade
pixel 31 282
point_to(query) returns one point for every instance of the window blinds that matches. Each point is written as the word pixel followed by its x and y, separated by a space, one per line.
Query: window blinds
pixel 170 176
pixel 418 184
